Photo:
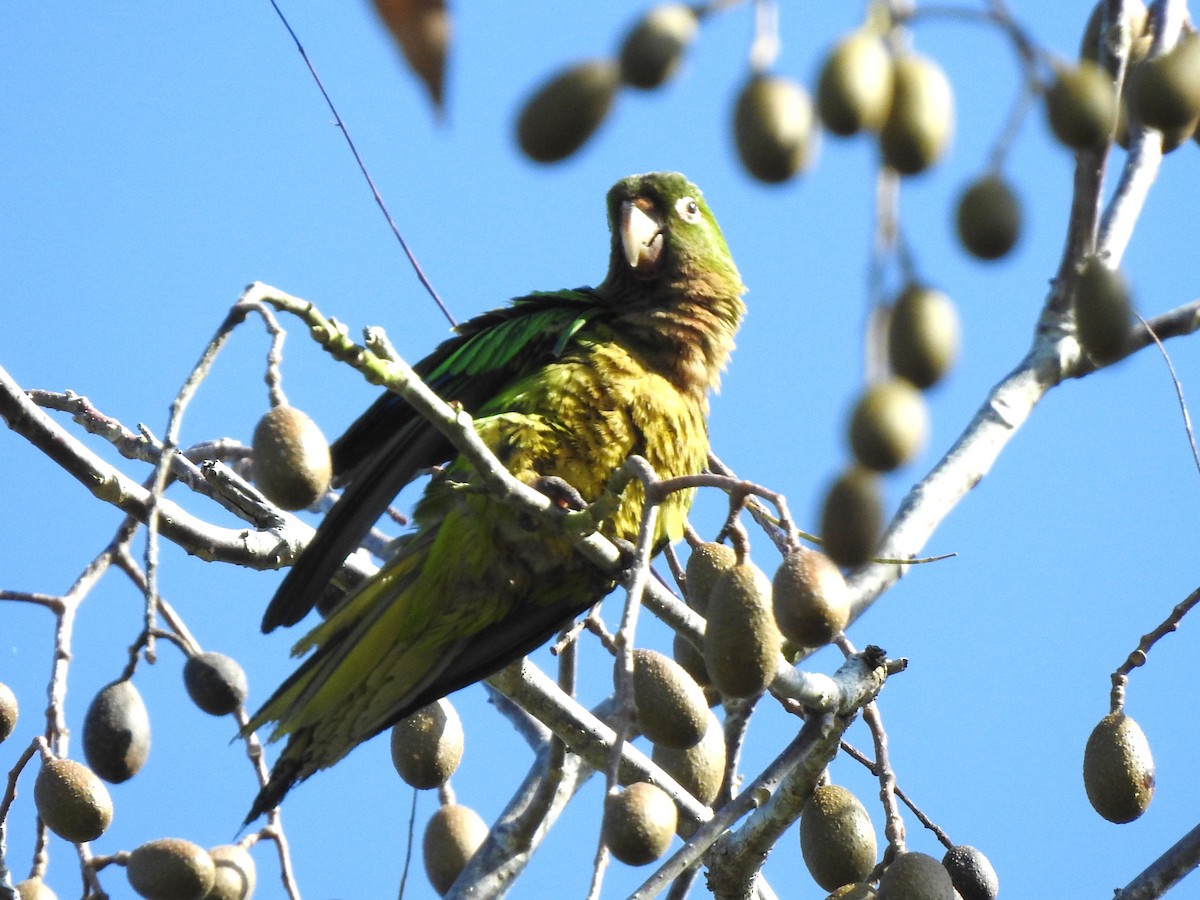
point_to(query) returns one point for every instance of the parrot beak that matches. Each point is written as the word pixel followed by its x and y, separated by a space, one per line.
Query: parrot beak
pixel 642 239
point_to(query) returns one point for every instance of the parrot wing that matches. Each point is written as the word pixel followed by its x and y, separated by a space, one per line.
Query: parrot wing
pixel 389 445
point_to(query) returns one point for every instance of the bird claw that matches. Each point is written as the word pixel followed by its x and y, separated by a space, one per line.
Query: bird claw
pixel 626 558
pixel 562 495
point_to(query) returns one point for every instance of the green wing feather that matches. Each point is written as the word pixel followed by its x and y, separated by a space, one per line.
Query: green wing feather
pixel 493 349
pixel 390 444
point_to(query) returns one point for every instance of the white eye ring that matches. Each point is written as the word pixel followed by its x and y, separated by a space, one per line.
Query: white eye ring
pixel 688 209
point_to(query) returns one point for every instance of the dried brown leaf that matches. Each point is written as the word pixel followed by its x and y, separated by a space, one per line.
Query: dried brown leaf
pixel 422 30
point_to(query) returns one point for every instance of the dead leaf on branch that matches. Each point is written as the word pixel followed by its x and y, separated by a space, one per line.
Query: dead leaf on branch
pixel 422 30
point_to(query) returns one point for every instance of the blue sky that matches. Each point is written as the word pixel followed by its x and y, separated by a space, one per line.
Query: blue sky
pixel 157 158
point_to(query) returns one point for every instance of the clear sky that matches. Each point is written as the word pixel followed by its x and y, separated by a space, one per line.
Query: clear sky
pixel 158 157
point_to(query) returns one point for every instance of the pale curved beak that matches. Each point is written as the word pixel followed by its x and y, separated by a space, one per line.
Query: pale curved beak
pixel 641 239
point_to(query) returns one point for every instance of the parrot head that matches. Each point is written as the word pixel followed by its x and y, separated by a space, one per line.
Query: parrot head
pixel 662 229
pixel 671 275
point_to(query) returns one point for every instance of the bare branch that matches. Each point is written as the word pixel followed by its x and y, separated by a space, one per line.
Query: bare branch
pixel 1166 871
pixel 268 549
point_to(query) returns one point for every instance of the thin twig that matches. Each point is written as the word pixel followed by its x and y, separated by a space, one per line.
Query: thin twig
pixel 894 824
pixel 362 167
pixel 1183 408
pixel 1139 656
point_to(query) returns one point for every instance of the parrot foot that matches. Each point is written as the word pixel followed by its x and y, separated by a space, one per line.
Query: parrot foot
pixel 561 494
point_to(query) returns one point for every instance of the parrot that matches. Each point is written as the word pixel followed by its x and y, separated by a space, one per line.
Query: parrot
pixel 562 387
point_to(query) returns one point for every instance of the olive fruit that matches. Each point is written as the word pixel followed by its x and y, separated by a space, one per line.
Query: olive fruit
pixel 852 517
pixel 923 335
pixel 34 889
pixel 72 801
pixel 1081 106
pixel 699 769
pixel 671 709
pixel 1103 311
pixel 427 745
pixel 452 836
pixel 565 111
pixel 741 642
pixel 920 121
pixel 1135 22
pixel 639 823
pixel 8 711
pixel 1164 91
pixel 773 128
pixel 215 682
pixel 235 874
pixel 854 89
pixel 889 425
pixel 653 48
pixel 1172 138
pixel 692 660
pixel 116 732
pixel 836 837
pixel 915 876
pixel 707 561
pixel 812 603
pixel 972 873
pixel 1118 769
pixel 291 464
pixel 988 218
pixel 171 869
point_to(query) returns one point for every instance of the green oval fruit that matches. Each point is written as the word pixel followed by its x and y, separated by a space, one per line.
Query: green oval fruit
pixel 1164 91
pixel 1081 106
pixel 653 48
pixel 1135 22
pixel 699 769
pixel 72 801
pixel 705 564
pixel 773 128
pixel 812 603
pixel 116 732
pixel 920 121
pixel 1118 769
pixel 691 659
pixel 889 425
pixel 234 875
pixel 565 111
pixel 852 517
pixel 915 876
pixel 34 889
pixel 988 218
pixel 428 745
pixel 923 335
pixel 972 873
pixel 452 836
pixel 837 840
pixel 215 682
pixel 291 463
pixel 671 709
pixel 854 89
pixel 1103 311
pixel 171 869
pixel 639 823
pixel 1172 139
pixel 742 643
pixel 9 710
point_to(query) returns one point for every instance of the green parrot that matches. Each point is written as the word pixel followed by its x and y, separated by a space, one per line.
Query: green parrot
pixel 563 386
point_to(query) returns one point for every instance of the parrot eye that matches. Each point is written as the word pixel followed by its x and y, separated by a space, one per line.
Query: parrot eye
pixel 688 209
